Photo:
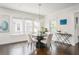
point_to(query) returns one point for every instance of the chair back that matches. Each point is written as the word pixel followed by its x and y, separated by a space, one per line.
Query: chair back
pixel 49 39
pixel 30 38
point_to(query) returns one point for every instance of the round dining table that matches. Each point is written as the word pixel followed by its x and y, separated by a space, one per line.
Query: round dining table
pixel 39 44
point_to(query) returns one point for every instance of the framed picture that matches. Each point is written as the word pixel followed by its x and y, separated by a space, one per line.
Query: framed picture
pixel 4 23
pixel 63 21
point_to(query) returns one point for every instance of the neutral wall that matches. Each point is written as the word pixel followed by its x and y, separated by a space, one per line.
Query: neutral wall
pixel 67 13
pixel 7 37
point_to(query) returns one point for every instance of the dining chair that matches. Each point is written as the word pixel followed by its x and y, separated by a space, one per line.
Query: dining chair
pixel 31 43
pixel 48 41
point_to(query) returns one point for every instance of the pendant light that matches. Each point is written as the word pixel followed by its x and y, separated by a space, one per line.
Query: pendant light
pixel 41 28
pixel 39 5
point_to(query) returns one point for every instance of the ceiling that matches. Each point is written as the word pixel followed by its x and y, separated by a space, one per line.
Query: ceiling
pixel 45 8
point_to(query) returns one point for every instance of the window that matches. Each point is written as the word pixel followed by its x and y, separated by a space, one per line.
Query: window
pixel 21 26
pixel 17 26
pixel 36 26
pixel 28 26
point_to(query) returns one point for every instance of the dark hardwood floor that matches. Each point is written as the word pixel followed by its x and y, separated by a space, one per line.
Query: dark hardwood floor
pixel 23 48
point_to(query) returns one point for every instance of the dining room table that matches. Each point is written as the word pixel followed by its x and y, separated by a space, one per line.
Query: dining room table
pixel 39 44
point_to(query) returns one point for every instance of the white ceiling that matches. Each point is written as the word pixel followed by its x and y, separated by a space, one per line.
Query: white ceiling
pixel 45 8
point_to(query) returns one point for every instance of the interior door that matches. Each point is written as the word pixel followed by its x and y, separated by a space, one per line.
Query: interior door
pixel 77 28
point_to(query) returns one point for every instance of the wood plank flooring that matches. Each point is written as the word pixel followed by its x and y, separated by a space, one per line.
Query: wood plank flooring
pixel 23 48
